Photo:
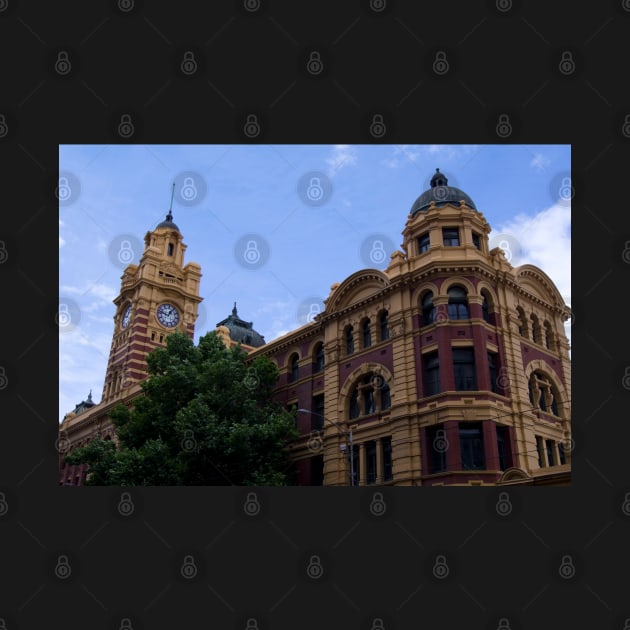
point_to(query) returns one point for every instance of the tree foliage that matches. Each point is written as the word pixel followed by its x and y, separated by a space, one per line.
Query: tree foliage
pixel 206 417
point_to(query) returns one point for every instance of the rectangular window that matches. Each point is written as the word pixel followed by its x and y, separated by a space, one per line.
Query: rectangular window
pixel 464 369
pixel 436 445
pixel 355 465
pixel 170 249
pixel 492 367
pixel 370 462
pixel 550 453
pixel 319 358
pixel 384 327
pixel 317 470
pixel 471 446
pixel 431 373
pixel 317 417
pixel 539 448
pixel 476 240
pixel 387 459
pixel 503 447
pixel 450 237
pixel 423 243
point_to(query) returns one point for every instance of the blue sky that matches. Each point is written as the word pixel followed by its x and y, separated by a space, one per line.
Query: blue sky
pixel 273 226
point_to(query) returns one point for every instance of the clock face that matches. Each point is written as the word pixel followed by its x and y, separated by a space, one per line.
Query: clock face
pixel 126 317
pixel 167 315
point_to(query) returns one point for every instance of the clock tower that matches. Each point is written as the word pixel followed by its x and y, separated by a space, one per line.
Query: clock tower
pixel 157 296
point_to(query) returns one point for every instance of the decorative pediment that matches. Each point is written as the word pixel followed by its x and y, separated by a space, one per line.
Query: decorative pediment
pixel 539 284
pixel 356 288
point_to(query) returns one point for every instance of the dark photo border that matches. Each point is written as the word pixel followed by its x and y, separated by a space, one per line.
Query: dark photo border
pixel 459 72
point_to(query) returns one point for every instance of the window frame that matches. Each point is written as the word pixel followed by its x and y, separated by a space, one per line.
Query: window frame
pixel 452 231
pixel 294 368
pixel 458 308
pixel 424 243
pixel 431 364
pixel 320 360
pixel 472 445
pixel 467 369
pixel 366 333
pixel 428 310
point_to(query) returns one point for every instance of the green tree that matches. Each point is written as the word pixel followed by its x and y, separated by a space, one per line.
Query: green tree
pixel 206 417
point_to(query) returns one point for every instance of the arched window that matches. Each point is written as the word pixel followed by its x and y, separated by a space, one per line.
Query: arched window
pixel 457 303
pixel 366 333
pixel 371 394
pixel 349 337
pixel 294 369
pixel 549 338
pixel 428 309
pixel 170 249
pixel 536 332
pixel 543 394
pixel 386 398
pixel 319 357
pixel 354 404
pixel 486 307
pixel 383 326
pixel 523 328
pixel 369 406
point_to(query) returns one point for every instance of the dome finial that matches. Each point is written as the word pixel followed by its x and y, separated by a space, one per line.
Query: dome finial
pixel 234 310
pixel 438 179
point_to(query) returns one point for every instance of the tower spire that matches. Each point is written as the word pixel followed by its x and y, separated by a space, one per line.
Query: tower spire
pixel 169 216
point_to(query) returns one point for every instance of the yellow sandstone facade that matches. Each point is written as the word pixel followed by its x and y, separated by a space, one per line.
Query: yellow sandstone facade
pixel 450 367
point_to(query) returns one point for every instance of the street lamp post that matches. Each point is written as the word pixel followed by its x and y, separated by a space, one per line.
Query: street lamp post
pixel 344 432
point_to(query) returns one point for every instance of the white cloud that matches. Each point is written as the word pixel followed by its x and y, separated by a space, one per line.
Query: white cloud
pixel 545 241
pixel 342 155
pixel 101 291
pixel 402 155
pixel 540 162
pixel 62 242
